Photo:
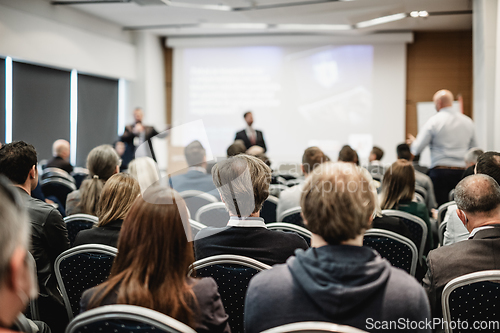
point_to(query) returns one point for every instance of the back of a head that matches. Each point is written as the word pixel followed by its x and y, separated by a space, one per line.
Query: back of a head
pixel 195 153
pixel 144 170
pixel 347 154
pixel 238 147
pixel 378 153
pixel 403 151
pixel 489 164
pixel 154 256
pixel 337 202
pixel 16 160
pixel 117 196
pixel 102 163
pixel 398 184
pixel 60 148
pixel 243 182
pixel 478 194
pixel 313 157
pixel 472 155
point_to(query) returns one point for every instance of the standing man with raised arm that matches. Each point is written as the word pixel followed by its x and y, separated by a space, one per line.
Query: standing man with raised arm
pixel 249 135
pixel 137 133
pixel 449 134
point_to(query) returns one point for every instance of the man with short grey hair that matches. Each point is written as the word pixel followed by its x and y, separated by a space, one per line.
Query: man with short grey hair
pixel 478 207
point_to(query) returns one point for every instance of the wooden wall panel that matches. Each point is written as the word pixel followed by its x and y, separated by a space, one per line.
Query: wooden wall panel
pixel 438 60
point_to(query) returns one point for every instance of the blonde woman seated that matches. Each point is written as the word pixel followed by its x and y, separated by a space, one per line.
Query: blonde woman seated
pixel 117 196
pixel 398 191
pixel 145 171
pixel 102 162
pixel 152 265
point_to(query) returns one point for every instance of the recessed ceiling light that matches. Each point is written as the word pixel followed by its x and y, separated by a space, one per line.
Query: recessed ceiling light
pixel 381 20
pixel 414 13
pixel 423 13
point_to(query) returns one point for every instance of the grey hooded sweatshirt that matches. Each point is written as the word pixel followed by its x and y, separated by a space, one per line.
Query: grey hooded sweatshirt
pixel 343 284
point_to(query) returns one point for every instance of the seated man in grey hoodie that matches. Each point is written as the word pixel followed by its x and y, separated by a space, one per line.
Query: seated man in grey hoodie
pixel 338 280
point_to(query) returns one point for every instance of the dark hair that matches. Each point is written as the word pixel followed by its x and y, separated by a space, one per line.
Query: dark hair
pixel 312 157
pixel 347 154
pixel 194 153
pixel 16 160
pixel 245 114
pixel 489 164
pixel 403 151
pixel 151 268
pixel 238 147
pixel 378 152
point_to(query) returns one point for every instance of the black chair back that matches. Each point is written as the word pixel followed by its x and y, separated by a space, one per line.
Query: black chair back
pixel 293 216
pixel 78 222
pixel 268 211
pixel 213 215
pixel 232 274
pixel 58 187
pixel 81 268
pixel 196 199
pixel 398 250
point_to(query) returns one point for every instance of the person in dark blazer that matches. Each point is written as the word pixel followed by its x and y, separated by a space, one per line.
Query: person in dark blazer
pixel 196 178
pixel 249 135
pixel 61 152
pixel 478 202
pixel 117 196
pixel 243 184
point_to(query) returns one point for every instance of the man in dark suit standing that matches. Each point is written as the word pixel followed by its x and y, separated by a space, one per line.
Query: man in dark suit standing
pixel 478 202
pixel 249 135
pixel 137 133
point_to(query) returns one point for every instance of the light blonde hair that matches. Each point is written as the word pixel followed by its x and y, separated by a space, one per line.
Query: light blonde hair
pixel 101 162
pixel 243 183
pixel 398 184
pixel 338 201
pixel 117 196
pixel 145 171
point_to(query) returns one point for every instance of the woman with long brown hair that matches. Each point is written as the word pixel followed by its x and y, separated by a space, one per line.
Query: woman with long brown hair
pixel 398 191
pixel 117 197
pixel 152 264
pixel 102 162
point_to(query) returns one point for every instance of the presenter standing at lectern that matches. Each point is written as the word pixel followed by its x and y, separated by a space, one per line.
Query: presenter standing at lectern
pixel 135 134
pixel 249 135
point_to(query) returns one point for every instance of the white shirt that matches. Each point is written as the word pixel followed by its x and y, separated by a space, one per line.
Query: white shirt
pixel 197 168
pixel 475 230
pixel 289 198
pixel 449 134
pixel 235 221
pixel 250 132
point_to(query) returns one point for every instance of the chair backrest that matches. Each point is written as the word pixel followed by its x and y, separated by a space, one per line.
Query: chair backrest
pixel 197 199
pixel 80 174
pixel 268 211
pixel 81 268
pixel 283 226
pixel 213 215
pixel 400 251
pixel 195 227
pixel 21 324
pixel 451 195
pixel 419 198
pixel 473 298
pixel 78 222
pixel 58 187
pixel 276 189
pixel 313 326
pixel 441 231
pixel 232 274
pixel 442 211
pixel 121 318
pixel 417 227
pixel 32 310
pixel 56 173
pixel 422 191
pixel 292 215
pixel 293 182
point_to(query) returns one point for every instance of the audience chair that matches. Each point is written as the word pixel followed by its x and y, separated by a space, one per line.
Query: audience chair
pixel 422 191
pixel 285 175
pixel 213 215
pixel 276 189
pixel 313 327
pixel 442 211
pixel 78 222
pixel 417 227
pixel 81 268
pixel 21 324
pixel 419 198
pixel 472 297
pixel 58 187
pixel 57 173
pixel 232 274
pixel 31 311
pixel 268 211
pixel 283 226
pixel 293 182
pixel 80 174
pixel 197 199
pixel 451 195
pixel 121 318
pixel 195 228
pixel 441 231
pixel 400 251
pixel 293 216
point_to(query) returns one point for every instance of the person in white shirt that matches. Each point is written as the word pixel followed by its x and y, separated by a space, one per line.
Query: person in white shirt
pixel 449 134
pixel 290 198
pixel 250 136
pixel 375 167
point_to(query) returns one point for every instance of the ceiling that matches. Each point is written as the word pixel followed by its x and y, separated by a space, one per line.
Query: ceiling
pixel 320 18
